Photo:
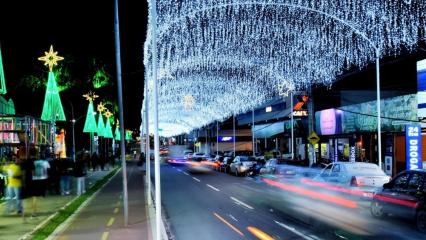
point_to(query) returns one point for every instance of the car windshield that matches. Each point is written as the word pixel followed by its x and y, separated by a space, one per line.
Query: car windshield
pixel 364 169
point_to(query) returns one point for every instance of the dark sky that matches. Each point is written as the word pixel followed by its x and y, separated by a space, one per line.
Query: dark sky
pixel 81 31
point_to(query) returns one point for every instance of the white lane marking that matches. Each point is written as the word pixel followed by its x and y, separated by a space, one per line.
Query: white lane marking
pixel 232 217
pixel 210 186
pixel 238 202
pixel 174 167
pixel 179 170
pixel 186 173
pixel 196 179
pixel 292 229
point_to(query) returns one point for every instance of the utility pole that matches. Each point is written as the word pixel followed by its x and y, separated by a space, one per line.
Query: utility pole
pixel 120 105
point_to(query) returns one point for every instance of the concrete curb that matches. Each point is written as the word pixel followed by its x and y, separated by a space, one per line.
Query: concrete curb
pixel 66 223
pixel 165 231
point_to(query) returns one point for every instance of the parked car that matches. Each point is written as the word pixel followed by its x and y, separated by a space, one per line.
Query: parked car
pixel 241 165
pixel 198 156
pixel 270 166
pixel 224 166
pixel 164 151
pixel 404 196
pixel 365 178
pixel 187 154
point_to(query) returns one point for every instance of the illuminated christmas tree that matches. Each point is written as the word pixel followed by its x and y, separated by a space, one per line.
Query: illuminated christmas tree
pixel 52 107
pixel 108 129
pixel 2 79
pixel 117 133
pixel 101 125
pixel 90 123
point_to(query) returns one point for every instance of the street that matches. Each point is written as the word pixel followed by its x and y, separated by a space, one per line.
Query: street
pixel 216 205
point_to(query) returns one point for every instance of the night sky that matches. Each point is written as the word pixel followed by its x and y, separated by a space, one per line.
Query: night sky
pixel 80 31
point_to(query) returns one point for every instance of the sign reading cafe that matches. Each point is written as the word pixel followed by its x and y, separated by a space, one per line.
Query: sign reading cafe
pixel 413 144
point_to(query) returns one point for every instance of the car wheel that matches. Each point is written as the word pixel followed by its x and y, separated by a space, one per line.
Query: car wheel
pixel 421 221
pixel 376 209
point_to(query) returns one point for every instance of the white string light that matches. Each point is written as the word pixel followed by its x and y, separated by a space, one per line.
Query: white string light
pixel 233 55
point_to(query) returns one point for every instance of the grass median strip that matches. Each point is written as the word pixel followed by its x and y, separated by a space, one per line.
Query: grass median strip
pixel 66 212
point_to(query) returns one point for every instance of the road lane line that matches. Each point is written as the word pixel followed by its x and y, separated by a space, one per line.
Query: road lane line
pixel 293 230
pixel 196 179
pixel 210 186
pixel 228 224
pixel 179 170
pixel 242 203
pixel 259 233
pixel 116 210
pixel 110 222
pixel 105 236
pixel 187 174
pixel 233 218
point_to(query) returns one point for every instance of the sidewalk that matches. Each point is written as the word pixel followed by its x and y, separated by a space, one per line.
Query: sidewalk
pixel 14 226
pixel 102 218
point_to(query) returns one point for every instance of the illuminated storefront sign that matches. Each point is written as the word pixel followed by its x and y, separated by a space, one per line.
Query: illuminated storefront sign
pixel 413 147
pixel 226 139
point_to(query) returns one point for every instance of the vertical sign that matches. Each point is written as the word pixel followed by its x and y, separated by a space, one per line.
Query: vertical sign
pixel 389 154
pixel 352 143
pixel 413 144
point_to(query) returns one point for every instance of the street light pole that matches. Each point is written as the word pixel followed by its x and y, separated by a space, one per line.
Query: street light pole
pixel 379 123
pixel 233 127
pixel 252 131
pixel 120 105
pixel 292 126
pixel 153 11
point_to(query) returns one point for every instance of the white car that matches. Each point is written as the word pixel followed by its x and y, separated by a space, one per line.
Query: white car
pixel 242 165
pixel 359 177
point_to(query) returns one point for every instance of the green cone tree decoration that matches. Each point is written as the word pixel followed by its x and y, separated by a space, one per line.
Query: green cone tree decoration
pixel 90 123
pixel 117 133
pixel 2 78
pixel 52 107
pixel 101 126
pixel 108 130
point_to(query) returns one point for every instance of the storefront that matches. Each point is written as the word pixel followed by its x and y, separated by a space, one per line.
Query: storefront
pixel 349 133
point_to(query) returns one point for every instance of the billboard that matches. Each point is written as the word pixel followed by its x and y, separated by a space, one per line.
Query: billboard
pixel 329 121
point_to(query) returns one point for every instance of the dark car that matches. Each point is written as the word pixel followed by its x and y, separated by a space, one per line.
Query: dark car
pixel 224 166
pixel 404 197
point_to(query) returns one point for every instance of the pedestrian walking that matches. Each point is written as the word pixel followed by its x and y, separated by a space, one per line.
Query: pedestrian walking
pixel 66 170
pixel 39 179
pixel 80 175
pixel 13 186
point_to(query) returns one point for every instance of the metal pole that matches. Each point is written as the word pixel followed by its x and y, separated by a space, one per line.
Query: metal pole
pixel 147 147
pixel 379 123
pixel 120 106
pixel 252 130
pixel 153 9
pixel 217 137
pixel 73 132
pixel 292 126
pixel 233 127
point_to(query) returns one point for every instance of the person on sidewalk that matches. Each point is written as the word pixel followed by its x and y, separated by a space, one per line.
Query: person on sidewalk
pixel 66 170
pixel 80 175
pixel 39 179
pixel 14 185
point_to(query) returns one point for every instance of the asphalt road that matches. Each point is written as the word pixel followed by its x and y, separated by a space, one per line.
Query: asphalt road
pixel 220 206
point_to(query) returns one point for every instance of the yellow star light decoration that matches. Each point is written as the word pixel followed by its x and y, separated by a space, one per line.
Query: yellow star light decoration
pixel 188 102
pixel 107 113
pixel 285 88
pixel 90 96
pixel 50 58
pixel 101 107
